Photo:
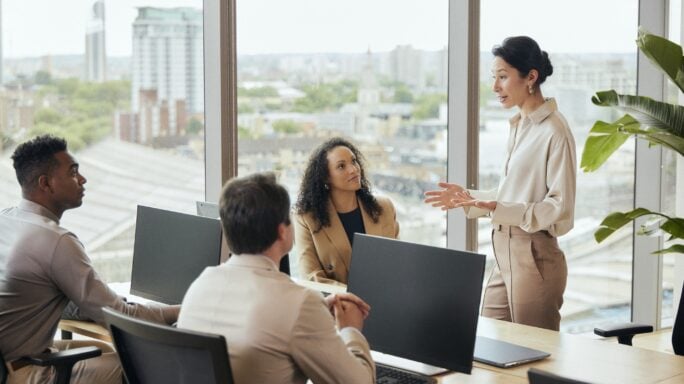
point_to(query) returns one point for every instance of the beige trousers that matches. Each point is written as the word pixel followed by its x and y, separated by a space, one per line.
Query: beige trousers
pixel 104 369
pixel 527 284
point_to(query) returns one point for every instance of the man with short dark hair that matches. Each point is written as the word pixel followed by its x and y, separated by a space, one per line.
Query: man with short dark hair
pixel 276 330
pixel 44 266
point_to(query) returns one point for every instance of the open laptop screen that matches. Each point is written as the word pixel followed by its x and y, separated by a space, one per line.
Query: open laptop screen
pixel 424 300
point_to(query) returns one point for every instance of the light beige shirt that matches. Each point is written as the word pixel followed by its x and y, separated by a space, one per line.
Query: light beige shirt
pixel 537 187
pixel 276 330
pixel 42 267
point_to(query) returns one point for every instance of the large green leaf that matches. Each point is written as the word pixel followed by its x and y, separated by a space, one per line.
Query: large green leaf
pixel 650 113
pixel 675 227
pixel 677 248
pixel 604 139
pixel 671 225
pixel 664 54
pixel 617 220
pixel 659 123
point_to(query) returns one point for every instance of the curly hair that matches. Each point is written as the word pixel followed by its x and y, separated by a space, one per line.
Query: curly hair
pixel 36 157
pixel 313 196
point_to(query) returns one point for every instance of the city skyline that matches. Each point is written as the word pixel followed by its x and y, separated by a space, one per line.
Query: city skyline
pixel 346 27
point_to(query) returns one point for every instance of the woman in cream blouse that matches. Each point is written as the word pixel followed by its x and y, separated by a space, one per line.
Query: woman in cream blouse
pixel 335 202
pixel 535 200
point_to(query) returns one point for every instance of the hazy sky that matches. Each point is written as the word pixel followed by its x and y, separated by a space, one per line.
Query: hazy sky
pixel 38 27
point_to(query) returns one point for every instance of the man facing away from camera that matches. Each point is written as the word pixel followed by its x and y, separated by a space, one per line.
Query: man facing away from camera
pixel 276 331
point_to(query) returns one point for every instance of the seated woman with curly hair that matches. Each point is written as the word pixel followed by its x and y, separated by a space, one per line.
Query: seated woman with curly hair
pixel 335 202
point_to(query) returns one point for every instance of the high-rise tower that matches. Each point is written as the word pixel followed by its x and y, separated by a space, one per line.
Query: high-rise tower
pixel 167 82
pixel 96 54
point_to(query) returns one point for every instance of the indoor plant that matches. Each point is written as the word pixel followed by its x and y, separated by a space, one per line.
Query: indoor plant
pixel 657 122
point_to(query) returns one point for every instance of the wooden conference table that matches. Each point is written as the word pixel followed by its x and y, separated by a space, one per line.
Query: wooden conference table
pixel 578 357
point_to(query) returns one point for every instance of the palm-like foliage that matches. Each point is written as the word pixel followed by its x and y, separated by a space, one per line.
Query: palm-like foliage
pixel 657 122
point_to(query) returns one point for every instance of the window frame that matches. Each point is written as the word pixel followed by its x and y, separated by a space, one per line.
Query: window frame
pixel 220 62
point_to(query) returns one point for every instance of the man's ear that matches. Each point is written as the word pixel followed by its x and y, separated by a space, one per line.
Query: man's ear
pixel 282 231
pixel 44 183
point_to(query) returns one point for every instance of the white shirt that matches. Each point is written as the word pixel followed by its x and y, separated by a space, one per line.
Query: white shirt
pixel 537 187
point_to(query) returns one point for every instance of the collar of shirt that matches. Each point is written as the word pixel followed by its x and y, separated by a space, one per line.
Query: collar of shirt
pixel 539 114
pixel 30 206
pixel 252 261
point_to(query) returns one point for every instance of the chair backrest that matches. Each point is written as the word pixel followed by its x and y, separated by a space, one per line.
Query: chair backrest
pixel 3 370
pixel 678 329
pixel 537 376
pixel 154 353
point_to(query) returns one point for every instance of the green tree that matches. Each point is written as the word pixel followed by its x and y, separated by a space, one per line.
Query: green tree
pixel 80 112
pixel 402 94
pixel 245 108
pixel 427 106
pixel 195 126
pixel 42 77
pixel 257 92
pixel 326 97
pixel 47 116
pixel 287 126
pixel 245 133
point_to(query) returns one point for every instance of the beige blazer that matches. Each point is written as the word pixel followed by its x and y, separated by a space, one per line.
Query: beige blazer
pixel 325 256
pixel 276 331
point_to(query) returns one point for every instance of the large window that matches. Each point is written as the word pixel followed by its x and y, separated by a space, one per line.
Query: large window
pixel 586 60
pixel 123 82
pixel 374 72
pixel 672 178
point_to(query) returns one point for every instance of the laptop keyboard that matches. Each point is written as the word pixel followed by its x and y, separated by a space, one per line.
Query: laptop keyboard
pixel 391 375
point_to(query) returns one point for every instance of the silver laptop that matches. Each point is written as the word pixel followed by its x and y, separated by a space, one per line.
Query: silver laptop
pixel 504 355
pixel 207 209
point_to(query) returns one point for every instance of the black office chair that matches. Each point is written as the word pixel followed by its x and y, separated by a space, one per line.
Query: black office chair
pixel 626 331
pixel 537 376
pixel 153 353
pixel 63 361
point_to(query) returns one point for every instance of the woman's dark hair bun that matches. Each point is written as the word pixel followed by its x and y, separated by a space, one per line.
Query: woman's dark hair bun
pixel 524 54
pixel 548 67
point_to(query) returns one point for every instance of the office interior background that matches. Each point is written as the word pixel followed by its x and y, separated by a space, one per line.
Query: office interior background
pixel 138 87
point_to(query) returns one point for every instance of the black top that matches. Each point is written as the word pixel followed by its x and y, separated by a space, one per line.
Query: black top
pixel 352 222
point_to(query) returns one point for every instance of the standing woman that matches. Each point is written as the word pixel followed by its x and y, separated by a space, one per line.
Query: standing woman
pixel 535 200
pixel 335 202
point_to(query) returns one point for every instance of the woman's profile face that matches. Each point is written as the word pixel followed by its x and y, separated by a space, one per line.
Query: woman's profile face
pixel 510 87
pixel 344 171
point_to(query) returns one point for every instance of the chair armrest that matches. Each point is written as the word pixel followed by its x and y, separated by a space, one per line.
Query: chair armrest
pixel 69 356
pixel 623 331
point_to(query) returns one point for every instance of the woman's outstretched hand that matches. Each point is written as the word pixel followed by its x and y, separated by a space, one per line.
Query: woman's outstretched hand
pixel 455 196
pixel 443 198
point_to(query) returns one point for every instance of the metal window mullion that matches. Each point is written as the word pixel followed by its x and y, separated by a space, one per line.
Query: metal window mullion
pixel 220 95
pixel 463 91
pixel 647 268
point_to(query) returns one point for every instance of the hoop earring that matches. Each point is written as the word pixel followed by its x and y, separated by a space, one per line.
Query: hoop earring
pixel 530 89
pixel 326 186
